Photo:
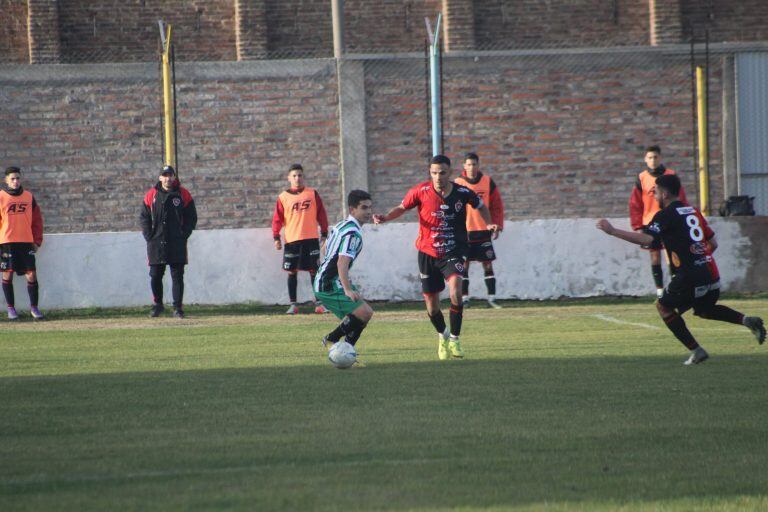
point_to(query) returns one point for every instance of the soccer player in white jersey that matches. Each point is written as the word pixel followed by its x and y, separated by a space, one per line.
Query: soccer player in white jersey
pixel 332 285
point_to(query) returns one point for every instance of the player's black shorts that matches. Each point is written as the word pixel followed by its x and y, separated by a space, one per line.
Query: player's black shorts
pixel 681 295
pixel 434 272
pixel 481 251
pixel 18 257
pixel 301 255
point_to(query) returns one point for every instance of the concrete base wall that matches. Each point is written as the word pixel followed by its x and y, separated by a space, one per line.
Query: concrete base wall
pixel 538 259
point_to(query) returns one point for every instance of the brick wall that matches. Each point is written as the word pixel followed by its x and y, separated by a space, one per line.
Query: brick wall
pixel 563 137
pixel 745 20
pixel 126 30
pixel 503 24
pixel 14 46
pixel 89 149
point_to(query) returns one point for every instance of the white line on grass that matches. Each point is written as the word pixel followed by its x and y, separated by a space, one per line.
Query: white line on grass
pixel 606 318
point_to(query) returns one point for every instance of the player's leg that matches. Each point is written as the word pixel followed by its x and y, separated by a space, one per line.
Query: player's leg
pixel 354 315
pixel 456 315
pixel 432 284
pixel 707 307
pixel 177 280
pixel 676 300
pixel 156 273
pixel 33 290
pixel 10 298
pixel 465 284
pixel 291 256
pixel 656 272
pixel 490 284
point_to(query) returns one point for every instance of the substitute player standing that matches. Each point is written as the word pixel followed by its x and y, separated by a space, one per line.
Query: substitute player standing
pixel 480 239
pixel 442 245
pixel 695 283
pixel 332 285
pixel 21 234
pixel 643 206
pixel 300 210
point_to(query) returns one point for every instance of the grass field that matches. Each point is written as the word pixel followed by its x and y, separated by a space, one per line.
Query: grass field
pixel 558 406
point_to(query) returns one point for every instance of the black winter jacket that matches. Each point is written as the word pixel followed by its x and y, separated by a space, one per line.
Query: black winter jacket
pixel 167 221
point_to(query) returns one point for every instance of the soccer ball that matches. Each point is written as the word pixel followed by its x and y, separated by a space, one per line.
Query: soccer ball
pixel 342 355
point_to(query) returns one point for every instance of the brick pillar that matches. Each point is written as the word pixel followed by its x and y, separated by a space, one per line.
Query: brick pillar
pixel 251 29
pixel 459 25
pixel 43 30
pixel 666 22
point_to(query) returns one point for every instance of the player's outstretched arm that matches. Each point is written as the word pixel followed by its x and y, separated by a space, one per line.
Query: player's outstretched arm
pixel 392 214
pixel 638 238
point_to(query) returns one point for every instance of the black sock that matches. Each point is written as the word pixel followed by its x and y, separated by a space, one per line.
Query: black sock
pixel 438 320
pixel 8 292
pixel 456 315
pixel 293 282
pixel 490 282
pixel 32 290
pixel 348 325
pixel 658 276
pixel 677 325
pixel 177 280
pixel 156 282
pixel 723 314
pixel 352 337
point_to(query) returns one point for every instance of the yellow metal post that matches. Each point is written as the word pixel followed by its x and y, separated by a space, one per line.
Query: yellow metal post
pixel 169 133
pixel 701 111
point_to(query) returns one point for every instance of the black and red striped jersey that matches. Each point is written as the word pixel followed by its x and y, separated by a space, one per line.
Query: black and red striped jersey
pixel 442 220
pixel 684 233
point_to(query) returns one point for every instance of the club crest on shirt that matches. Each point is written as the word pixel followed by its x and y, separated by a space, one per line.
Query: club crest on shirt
pixel 458 206
pixel 176 201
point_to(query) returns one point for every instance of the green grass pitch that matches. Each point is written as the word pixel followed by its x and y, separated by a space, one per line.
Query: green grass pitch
pixel 558 406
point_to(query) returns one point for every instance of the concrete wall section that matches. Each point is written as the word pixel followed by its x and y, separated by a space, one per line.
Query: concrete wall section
pixel 539 259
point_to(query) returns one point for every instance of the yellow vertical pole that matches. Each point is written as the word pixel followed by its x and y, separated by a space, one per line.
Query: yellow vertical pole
pixel 701 111
pixel 170 135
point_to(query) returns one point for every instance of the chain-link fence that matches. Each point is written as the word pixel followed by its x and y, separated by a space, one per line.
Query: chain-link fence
pixel 561 126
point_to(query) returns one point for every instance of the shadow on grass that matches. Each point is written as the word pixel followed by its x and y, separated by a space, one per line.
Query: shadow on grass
pixel 389 436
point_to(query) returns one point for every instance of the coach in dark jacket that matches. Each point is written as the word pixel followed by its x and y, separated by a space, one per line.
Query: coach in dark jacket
pixel 168 217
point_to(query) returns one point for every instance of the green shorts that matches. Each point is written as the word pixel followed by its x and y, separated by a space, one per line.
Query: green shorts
pixel 337 302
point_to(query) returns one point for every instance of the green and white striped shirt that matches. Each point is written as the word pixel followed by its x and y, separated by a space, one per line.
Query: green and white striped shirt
pixel 345 239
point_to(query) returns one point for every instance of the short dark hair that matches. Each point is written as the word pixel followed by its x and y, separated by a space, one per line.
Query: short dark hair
pixel 440 159
pixel 471 156
pixel 653 149
pixel 355 197
pixel 296 167
pixel 11 170
pixel 670 183
pixel 168 168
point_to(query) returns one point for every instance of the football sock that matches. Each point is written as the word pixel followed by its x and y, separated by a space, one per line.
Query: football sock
pixel 490 282
pixel 348 325
pixel 177 280
pixel 456 316
pixel 32 289
pixel 723 314
pixel 8 292
pixel 658 276
pixel 312 279
pixel 352 337
pixel 677 325
pixel 292 284
pixel 465 281
pixel 438 320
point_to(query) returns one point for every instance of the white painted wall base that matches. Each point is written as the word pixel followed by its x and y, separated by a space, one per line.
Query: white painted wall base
pixel 537 259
